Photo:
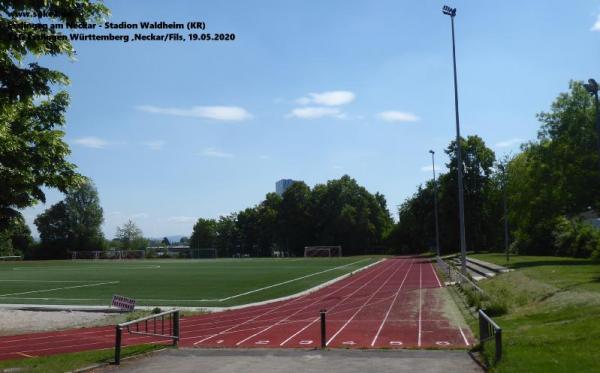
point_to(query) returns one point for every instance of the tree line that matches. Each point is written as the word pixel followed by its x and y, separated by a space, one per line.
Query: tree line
pixel 552 188
pixel 339 212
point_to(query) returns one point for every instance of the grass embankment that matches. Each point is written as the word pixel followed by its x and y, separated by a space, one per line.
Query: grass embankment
pixel 552 322
pixel 73 361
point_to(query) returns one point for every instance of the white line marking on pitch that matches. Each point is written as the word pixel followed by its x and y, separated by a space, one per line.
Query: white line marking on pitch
pixel 306 342
pixel 79 281
pixel 396 343
pixel 420 291
pixel 220 341
pixel 361 307
pixel 288 281
pixel 442 343
pixel 262 342
pixel 63 288
pixel 79 268
pixel 351 343
pixel 390 308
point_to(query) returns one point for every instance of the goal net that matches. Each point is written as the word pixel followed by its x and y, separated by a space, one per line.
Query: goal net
pixel 322 251
pixel 108 254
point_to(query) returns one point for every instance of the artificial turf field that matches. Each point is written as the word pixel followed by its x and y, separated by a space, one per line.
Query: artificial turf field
pixel 174 282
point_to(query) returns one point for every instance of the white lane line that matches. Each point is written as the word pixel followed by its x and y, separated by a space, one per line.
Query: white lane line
pixel 391 306
pixel 420 291
pixel 295 313
pixel 63 288
pixel 463 335
pixel 363 306
pixel 292 280
pixel 284 304
pixel 436 276
pixel 337 304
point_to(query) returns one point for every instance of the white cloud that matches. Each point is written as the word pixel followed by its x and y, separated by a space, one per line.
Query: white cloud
pixel 509 143
pixel 91 142
pixel 214 153
pixel 139 215
pixel 397 116
pixel 312 112
pixel 182 219
pixel 223 113
pixel 154 145
pixel 596 26
pixel 330 98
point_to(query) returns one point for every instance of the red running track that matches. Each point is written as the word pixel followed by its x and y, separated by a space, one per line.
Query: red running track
pixel 393 304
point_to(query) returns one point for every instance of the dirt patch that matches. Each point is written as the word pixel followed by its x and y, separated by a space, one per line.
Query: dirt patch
pixel 19 322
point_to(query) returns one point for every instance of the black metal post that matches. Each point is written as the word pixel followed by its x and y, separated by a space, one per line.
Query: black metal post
pixel 435 206
pixel 323 331
pixel 498 335
pixel 118 345
pixel 459 166
pixel 592 87
pixel 597 118
pixel 176 328
pixel 505 206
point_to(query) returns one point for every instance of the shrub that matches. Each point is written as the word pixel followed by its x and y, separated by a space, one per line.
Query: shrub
pixel 576 238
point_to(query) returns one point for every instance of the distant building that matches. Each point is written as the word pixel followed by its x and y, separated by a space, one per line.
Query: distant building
pixel 282 185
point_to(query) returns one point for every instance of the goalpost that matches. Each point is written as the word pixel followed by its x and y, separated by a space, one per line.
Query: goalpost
pixel 322 251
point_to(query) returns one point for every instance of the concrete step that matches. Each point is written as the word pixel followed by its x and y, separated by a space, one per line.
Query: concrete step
pixel 474 272
pixel 490 266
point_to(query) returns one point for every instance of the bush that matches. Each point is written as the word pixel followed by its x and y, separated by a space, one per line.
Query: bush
pixel 576 238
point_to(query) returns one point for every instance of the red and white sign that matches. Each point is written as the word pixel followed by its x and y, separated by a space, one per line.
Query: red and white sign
pixel 124 303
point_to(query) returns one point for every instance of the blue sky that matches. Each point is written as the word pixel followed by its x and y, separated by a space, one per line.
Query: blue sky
pixel 309 90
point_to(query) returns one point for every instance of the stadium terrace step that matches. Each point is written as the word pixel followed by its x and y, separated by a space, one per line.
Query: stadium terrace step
pixel 493 267
pixel 473 272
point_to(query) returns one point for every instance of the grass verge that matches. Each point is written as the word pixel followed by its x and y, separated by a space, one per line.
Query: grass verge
pixel 552 322
pixel 72 361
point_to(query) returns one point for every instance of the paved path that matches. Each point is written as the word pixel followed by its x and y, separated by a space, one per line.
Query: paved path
pixel 288 361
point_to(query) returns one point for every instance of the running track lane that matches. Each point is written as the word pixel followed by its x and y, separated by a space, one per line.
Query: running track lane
pixel 394 304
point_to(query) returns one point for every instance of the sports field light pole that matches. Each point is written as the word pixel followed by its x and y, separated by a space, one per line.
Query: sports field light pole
pixel 505 206
pixel 461 200
pixel 592 88
pixel 435 206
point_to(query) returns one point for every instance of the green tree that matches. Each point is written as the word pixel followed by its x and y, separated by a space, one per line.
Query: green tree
pixel 32 151
pixel 131 237
pixel 295 219
pixel 204 234
pixel 73 224
pixel 53 226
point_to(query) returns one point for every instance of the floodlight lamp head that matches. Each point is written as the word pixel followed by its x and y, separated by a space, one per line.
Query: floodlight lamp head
pixel 449 11
pixel 432 152
pixel 593 84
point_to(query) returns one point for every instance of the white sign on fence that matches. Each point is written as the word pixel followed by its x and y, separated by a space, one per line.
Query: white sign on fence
pixel 124 303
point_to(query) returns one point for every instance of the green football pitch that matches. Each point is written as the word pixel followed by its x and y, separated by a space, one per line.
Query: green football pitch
pixel 176 282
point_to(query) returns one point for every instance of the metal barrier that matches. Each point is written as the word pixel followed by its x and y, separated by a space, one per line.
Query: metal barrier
pixel 455 276
pixel 489 330
pixel 163 325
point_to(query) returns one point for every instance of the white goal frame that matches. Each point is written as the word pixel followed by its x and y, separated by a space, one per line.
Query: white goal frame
pixel 322 251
